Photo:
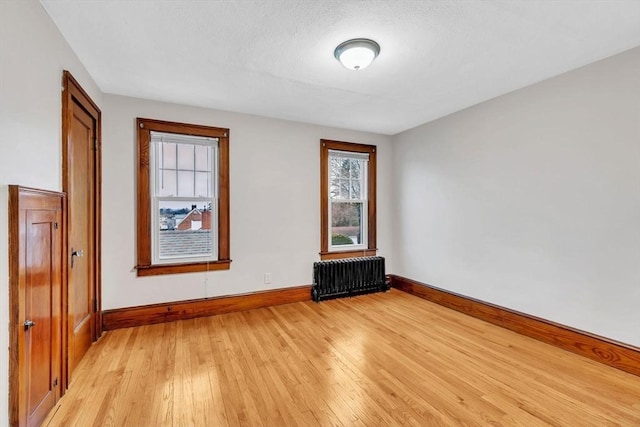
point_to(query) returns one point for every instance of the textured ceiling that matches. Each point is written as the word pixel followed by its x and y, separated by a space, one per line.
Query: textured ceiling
pixel 275 58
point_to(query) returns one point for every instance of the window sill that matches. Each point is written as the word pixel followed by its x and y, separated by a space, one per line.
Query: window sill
pixel 156 270
pixel 348 254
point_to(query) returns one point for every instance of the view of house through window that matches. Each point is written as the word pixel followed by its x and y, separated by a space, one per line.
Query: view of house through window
pixel 184 197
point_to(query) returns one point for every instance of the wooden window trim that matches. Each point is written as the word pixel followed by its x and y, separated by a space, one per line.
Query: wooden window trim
pixel 145 267
pixel 325 146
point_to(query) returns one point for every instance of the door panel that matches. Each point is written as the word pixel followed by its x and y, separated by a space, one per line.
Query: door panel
pixel 35 295
pixel 38 308
pixel 81 234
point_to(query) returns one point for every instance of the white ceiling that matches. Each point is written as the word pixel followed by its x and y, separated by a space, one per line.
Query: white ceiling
pixel 275 57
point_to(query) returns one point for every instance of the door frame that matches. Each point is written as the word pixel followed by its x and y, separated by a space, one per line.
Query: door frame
pixel 73 92
pixel 25 198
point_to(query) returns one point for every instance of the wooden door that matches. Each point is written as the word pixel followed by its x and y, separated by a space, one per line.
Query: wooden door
pixel 81 231
pixel 36 268
pixel 81 183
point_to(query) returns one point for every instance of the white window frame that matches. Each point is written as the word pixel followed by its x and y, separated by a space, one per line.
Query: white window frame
pixel 364 191
pixel 154 171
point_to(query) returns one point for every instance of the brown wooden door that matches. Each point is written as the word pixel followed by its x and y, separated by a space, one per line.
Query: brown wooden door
pixel 81 180
pixel 42 326
pixel 81 244
pixel 36 276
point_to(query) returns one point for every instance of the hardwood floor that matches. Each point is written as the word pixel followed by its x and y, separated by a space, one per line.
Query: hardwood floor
pixel 374 360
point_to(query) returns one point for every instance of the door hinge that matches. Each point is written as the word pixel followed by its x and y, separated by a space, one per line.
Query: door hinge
pixel 55 382
pixel 55 225
pixel 95 144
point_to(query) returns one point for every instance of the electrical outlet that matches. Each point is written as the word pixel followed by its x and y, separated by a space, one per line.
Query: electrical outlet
pixel 267 278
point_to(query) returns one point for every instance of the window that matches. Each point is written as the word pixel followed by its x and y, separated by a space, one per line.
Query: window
pixel 348 199
pixel 183 198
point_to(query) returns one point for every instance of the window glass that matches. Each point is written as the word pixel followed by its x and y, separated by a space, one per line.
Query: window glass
pixel 167 185
pixel 346 223
pixel 186 157
pixel 168 159
pixel 203 155
pixel 185 231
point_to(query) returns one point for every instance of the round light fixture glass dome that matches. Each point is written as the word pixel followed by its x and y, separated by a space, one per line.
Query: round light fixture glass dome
pixel 357 54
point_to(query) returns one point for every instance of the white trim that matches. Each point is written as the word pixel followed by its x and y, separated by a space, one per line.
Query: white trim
pixel 349 155
pixel 177 138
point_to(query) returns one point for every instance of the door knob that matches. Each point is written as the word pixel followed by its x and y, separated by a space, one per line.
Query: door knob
pixel 74 254
pixel 29 324
pixel 79 253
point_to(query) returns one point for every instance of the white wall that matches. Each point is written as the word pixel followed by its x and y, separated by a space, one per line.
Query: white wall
pixel 32 56
pixel 275 202
pixel 532 200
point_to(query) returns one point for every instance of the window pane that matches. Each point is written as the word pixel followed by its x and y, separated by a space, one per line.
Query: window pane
pixel 203 184
pixel 185 183
pixel 346 177
pixel 334 167
pixel 203 155
pixel 167 184
pixel 355 189
pixel 185 156
pixel 356 166
pixel 344 167
pixel 346 223
pixel 168 156
pixel 184 230
pixel 334 189
pixel 344 189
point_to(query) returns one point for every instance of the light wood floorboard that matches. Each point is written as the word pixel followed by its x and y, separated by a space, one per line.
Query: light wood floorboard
pixel 375 360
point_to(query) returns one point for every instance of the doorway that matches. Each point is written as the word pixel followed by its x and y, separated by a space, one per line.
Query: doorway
pixel 81 181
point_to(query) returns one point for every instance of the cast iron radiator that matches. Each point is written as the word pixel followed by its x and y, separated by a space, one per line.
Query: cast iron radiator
pixel 348 277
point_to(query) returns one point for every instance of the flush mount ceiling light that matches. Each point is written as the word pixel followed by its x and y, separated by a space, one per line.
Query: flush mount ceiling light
pixel 356 54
